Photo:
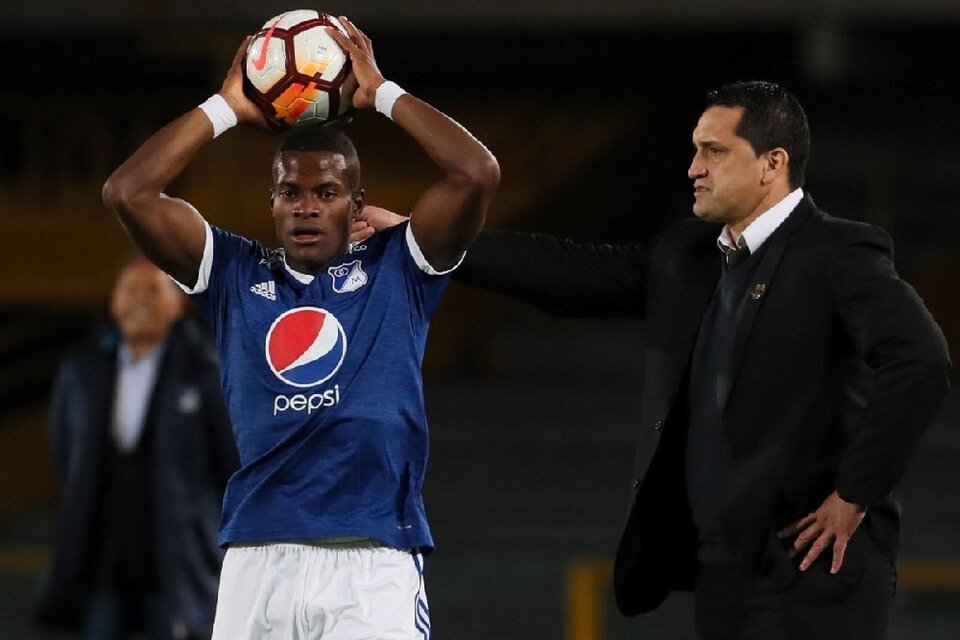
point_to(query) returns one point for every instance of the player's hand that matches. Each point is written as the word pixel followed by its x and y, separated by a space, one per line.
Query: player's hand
pixel 360 50
pixel 232 91
pixel 360 231
pixel 371 220
pixel 832 524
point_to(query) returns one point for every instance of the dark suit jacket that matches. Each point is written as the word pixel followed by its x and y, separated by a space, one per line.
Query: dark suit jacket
pixel 839 370
pixel 191 454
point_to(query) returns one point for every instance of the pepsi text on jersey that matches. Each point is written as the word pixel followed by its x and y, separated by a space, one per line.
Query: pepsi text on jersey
pixel 305 347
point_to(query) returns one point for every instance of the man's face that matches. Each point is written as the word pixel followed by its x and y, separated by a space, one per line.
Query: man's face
pixel 145 303
pixel 313 203
pixel 727 175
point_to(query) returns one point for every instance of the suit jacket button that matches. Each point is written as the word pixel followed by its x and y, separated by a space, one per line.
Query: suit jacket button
pixel 658 425
pixel 636 483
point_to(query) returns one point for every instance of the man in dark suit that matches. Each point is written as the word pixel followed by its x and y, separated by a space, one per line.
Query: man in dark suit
pixel 143 448
pixel 790 374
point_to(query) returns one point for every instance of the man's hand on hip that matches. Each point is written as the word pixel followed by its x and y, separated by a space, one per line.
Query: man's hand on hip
pixel 832 524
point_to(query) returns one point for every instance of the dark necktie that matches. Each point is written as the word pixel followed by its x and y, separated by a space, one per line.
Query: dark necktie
pixel 732 256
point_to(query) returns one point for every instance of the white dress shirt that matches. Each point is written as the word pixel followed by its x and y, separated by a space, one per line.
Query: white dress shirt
pixel 134 388
pixel 765 224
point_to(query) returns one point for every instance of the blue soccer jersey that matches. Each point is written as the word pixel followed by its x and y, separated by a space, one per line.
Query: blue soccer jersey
pixel 324 387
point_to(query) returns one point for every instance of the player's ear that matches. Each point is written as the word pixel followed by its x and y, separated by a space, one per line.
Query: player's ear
pixel 359 197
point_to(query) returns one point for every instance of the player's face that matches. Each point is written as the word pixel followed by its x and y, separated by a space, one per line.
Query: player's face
pixel 726 173
pixel 145 303
pixel 314 202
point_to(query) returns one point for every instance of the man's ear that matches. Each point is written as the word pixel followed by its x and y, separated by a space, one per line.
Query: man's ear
pixel 776 162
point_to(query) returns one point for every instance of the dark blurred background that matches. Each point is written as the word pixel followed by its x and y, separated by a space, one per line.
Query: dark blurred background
pixel 589 107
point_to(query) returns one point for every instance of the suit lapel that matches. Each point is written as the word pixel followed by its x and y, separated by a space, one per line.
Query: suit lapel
pixel 758 289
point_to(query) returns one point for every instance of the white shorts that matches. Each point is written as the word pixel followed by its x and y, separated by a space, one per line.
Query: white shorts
pixel 285 591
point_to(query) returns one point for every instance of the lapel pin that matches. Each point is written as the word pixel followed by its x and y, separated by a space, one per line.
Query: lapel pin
pixel 758 290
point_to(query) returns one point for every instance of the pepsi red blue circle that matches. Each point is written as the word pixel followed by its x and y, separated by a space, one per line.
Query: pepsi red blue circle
pixel 305 346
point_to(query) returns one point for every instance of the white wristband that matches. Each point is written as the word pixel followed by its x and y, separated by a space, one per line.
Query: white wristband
pixel 221 116
pixel 386 96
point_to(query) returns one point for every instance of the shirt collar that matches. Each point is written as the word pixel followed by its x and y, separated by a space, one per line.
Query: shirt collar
pixel 125 356
pixel 765 224
pixel 304 278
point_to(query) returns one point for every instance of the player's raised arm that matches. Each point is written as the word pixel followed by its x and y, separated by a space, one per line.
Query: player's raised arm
pixel 450 213
pixel 170 231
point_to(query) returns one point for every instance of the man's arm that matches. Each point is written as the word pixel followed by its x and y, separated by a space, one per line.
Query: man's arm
pixel 902 344
pixel 561 277
pixel 899 340
pixel 449 214
pixel 169 231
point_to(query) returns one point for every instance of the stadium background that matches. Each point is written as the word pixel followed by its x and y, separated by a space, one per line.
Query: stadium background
pixel 589 107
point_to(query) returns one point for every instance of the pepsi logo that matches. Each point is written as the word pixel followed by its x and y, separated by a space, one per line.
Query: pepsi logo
pixel 305 346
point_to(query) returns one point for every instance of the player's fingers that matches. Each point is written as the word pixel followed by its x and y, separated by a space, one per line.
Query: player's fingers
pixel 352 30
pixel 358 226
pixel 241 52
pixel 367 42
pixel 344 41
pixel 359 235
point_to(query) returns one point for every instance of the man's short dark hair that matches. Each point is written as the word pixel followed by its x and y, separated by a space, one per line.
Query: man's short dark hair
pixel 772 117
pixel 320 138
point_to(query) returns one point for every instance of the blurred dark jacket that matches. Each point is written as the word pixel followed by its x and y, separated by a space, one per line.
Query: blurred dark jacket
pixel 189 443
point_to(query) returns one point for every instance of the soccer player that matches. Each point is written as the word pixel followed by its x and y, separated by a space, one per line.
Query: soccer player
pixel 321 346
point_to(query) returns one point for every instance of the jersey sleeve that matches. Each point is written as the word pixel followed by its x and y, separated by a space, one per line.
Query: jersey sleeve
pixel 425 283
pixel 420 260
pixel 203 274
pixel 223 256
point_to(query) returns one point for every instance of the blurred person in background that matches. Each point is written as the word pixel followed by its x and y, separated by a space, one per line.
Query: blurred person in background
pixel 143 448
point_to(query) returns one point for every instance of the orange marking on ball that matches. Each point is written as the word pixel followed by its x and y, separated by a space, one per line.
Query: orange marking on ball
pixel 288 104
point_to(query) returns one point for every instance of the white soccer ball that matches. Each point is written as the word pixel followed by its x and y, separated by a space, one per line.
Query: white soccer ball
pixel 296 73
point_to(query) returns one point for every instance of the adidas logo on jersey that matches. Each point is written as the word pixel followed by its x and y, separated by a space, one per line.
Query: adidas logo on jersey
pixel 266 289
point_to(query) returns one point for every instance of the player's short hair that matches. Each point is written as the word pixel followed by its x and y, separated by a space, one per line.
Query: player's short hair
pixel 772 117
pixel 320 138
